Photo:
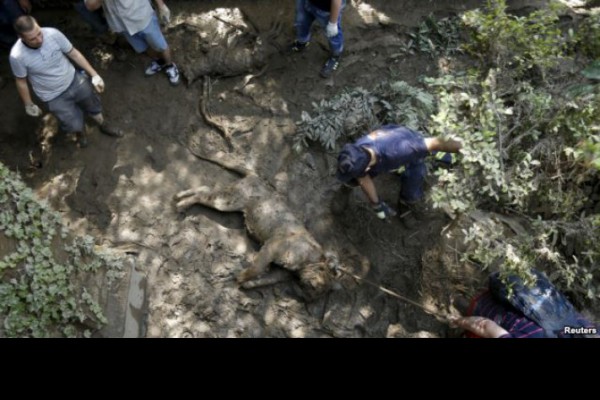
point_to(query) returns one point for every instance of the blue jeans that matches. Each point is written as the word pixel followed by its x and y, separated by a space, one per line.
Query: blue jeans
pixel 69 107
pixel 9 12
pixel 95 19
pixel 151 36
pixel 412 180
pixel 306 14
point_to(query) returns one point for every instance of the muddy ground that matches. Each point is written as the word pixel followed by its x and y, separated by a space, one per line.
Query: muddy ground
pixel 121 191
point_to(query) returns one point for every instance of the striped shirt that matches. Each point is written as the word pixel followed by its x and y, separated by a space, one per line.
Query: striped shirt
pixel 48 69
pixel 513 321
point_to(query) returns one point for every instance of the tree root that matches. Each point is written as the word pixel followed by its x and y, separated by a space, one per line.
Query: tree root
pixel 208 118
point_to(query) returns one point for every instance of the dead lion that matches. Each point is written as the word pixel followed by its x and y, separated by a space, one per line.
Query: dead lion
pixel 285 240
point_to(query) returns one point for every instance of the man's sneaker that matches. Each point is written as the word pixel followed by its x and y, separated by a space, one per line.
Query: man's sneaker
pixel 173 74
pixel 299 46
pixel 154 68
pixel 330 66
pixel 110 130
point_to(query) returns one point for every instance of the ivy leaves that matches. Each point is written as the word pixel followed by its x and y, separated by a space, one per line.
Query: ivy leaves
pixel 38 294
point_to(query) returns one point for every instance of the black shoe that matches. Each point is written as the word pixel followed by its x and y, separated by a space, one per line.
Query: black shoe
pixel 82 141
pixel 109 130
pixel 416 210
pixel 330 66
pixel 299 47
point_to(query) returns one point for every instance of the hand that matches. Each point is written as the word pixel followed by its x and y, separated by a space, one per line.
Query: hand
pixel 332 29
pixel 165 14
pixel 98 83
pixel 25 6
pixel 482 327
pixel 33 110
pixel 383 210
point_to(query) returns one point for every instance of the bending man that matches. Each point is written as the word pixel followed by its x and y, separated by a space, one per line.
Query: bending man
pixel 390 149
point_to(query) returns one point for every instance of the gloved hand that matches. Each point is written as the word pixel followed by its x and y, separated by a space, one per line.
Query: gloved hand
pixel 383 210
pixel 25 6
pixel 33 110
pixel 165 14
pixel 98 83
pixel 332 29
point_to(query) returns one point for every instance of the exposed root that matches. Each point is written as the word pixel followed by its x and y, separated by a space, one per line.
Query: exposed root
pixel 208 118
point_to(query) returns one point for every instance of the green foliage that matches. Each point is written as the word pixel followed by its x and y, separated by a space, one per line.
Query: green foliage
pixel 578 123
pixel 38 295
pixel 592 71
pixel 436 37
pixel 517 45
pixel 530 153
pixel 358 111
pixel 588 36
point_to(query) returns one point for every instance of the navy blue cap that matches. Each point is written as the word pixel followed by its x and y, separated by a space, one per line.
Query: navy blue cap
pixel 352 162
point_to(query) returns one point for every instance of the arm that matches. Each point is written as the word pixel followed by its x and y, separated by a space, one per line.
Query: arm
pixel 483 327
pixel 25 6
pixel 368 187
pixel 336 8
pixel 80 60
pixel 93 5
pixel 163 11
pixel 23 90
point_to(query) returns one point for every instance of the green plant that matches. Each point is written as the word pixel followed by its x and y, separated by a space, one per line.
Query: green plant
pixel 517 45
pixel 358 111
pixel 39 294
pixel 588 36
pixel 436 36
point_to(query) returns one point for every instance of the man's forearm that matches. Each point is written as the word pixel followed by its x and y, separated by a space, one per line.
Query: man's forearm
pixel 80 60
pixel 23 90
pixel 336 7
pixel 93 5
pixel 368 187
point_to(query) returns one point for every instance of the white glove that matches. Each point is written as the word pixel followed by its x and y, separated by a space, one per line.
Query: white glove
pixel 33 110
pixel 382 210
pixel 98 83
pixel 165 14
pixel 332 29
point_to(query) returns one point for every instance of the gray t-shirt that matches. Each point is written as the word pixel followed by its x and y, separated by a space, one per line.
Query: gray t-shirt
pixel 132 16
pixel 48 69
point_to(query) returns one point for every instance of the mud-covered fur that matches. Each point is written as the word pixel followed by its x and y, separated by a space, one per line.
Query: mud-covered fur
pixel 285 240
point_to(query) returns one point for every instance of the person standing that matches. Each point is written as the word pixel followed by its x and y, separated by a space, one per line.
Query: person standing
pixel 137 21
pixel 41 55
pixel 328 13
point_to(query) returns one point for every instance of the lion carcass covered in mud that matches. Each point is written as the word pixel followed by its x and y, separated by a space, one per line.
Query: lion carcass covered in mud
pixel 284 239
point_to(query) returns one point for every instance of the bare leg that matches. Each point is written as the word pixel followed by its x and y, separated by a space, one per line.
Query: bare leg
pixel 163 55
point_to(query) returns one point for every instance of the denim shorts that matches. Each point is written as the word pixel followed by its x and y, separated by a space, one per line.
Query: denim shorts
pixel 150 36
pixel 69 107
